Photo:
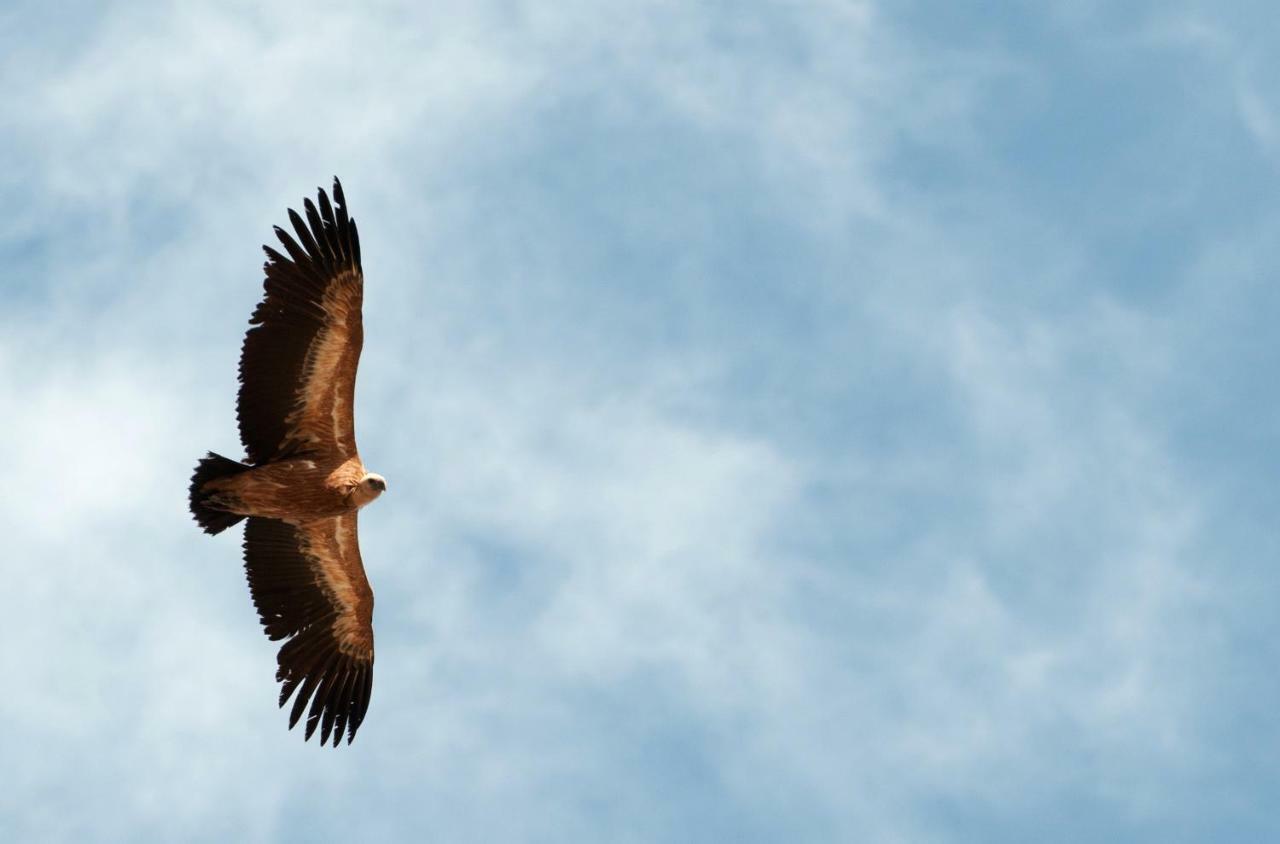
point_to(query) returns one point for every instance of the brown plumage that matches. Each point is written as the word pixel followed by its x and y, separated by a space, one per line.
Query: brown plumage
pixel 303 480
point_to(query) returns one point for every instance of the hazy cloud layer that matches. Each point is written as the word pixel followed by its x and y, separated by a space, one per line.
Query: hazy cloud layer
pixel 822 421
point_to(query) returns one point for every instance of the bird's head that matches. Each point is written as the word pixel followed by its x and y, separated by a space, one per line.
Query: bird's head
pixel 370 487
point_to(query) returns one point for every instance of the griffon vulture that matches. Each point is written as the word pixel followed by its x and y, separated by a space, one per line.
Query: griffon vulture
pixel 302 482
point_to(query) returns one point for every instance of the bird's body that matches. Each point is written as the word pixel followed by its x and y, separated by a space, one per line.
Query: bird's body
pixel 296 490
pixel 304 480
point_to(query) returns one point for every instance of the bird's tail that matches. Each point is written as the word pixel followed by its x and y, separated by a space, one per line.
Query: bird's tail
pixel 207 515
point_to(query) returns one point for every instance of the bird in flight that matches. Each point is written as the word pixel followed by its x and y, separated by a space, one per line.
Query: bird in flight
pixel 302 482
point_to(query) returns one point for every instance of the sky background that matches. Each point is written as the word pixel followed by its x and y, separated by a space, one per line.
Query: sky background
pixel 810 421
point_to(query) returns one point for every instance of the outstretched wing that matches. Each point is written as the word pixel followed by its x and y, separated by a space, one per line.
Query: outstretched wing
pixel 298 364
pixel 309 586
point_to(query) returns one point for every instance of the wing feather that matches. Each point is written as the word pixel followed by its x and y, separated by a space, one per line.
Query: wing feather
pixel 309 586
pixel 317 226
pixel 341 708
pixel 331 228
pixel 298 365
pixel 305 237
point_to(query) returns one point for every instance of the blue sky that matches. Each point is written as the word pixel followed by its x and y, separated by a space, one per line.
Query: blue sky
pixel 817 421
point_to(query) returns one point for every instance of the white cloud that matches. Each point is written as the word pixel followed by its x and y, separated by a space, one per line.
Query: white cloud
pixel 590 554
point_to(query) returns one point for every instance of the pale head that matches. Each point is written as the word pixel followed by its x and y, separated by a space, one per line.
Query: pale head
pixel 370 487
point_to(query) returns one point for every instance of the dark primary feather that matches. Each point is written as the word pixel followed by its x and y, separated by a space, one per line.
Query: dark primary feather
pixel 295 601
pixel 288 321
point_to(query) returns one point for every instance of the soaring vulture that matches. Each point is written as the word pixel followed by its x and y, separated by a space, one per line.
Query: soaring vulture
pixel 302 482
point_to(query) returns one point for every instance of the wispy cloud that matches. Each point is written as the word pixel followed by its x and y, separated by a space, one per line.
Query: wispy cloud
pixel 776 449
